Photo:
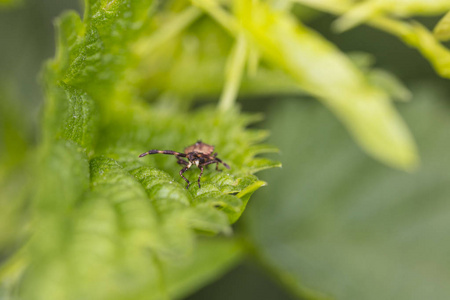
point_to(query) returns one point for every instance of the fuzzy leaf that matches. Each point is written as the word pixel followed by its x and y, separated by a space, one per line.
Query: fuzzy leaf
pixel 105 223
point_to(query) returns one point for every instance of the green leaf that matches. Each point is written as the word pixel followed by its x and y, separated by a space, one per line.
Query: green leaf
pixel 194 61
pixel 390 84
pixel 210 256
pixel 105 223
pixel 442 29
pixel 411 33
pixel 321 70
pixel 369 9
pixel 14 133
pixel 116 245
pixel 437 54
pixel 382 79
pixel 346 227
pixel 16 178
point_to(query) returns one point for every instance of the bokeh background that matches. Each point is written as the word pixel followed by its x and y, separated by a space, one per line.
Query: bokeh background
pixel 331 214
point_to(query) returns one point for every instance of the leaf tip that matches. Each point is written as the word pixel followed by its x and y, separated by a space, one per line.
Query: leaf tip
pixel 251 188
pixel 407 160
pixel 442 29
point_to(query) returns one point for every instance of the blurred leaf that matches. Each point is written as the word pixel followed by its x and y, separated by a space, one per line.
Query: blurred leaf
pixel 411 33
pixel 438 55
pixel 390 84
pixel 211 255
pixel 362 60
pixel 359 13
pixel 321 70
pixel 193 63
pixel 15 174
pixel 368 9
pixel 337 225
pixel 328 5
pixel 382 79
pixel 442 29
pixel 14 132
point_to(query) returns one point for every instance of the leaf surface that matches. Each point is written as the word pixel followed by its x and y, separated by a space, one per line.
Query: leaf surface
pixel 104 223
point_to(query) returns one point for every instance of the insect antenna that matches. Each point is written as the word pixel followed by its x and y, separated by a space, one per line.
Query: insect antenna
pixel 168 152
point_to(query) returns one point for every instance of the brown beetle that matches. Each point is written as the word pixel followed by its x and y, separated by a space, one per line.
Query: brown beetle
pixel 199 154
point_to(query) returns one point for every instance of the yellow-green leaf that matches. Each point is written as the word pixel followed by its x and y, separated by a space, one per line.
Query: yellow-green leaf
pixel 323 71
pixel 442 29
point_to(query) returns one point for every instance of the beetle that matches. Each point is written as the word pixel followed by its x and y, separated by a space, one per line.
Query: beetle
pixel 198 154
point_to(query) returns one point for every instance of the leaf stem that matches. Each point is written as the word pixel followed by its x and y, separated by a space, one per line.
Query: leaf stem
pixel 220 15
pixel 168 30
pixel 253 62
pixel 384 23
pixel 233 76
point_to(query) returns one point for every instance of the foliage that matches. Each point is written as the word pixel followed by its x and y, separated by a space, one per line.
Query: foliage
pixel 94 221
pixel 100 214
pixel 386 15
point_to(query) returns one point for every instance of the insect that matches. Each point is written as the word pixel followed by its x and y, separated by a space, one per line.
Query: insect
pixel 199 154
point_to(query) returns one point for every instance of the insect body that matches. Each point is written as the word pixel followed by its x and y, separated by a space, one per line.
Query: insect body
pixel 199 154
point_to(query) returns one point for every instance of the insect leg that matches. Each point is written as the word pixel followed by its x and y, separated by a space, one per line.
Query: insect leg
pixel 217 162
pixel 169 152
pixel 223 163
pixel 200 176
pixel 213 161
pixel 207 163
pixel 185 179
pixel 181 161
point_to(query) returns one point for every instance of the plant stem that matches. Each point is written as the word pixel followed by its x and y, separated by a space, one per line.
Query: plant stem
pixel 384 23
pixel 234 73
